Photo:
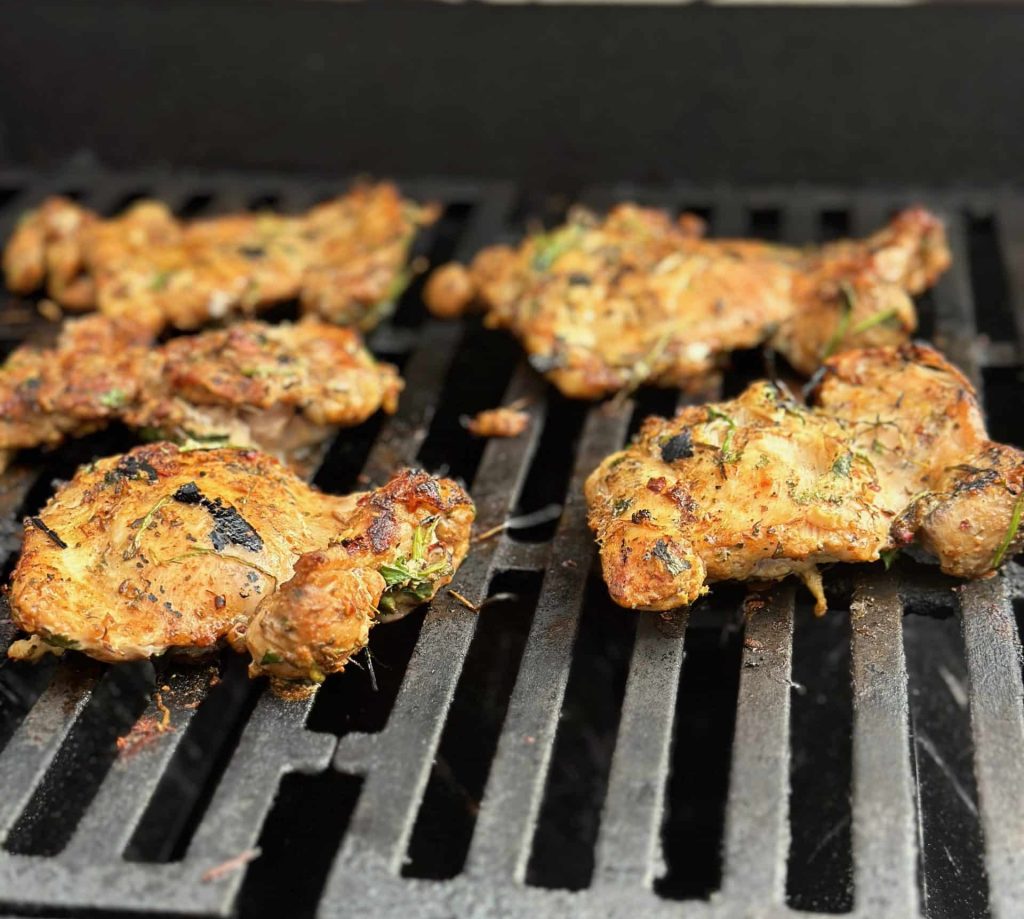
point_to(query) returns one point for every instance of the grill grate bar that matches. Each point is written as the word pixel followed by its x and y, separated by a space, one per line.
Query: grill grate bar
pixel 628 848
pixel 107 826
pixel 382 822
pixel 512 799
pixel 997 720
pixel 757 822
pixel 956 329
pixel 38 739
pixel 884 834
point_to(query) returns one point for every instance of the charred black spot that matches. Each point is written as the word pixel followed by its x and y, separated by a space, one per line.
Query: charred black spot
pixel 976 480
pixel 678 447
pixel 42 527
pixel 133 468
pixel 580 279
pixel 641 516
pixel 229 526
pixel 252 252
pixel 382 531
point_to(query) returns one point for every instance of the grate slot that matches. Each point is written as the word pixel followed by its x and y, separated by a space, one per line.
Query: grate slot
pixel 1009 220
pixel 757 813
pixel 997 720
pixel 512 799
pixel 884 826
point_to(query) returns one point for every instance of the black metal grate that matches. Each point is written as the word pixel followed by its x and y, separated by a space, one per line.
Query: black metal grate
pixel 610 763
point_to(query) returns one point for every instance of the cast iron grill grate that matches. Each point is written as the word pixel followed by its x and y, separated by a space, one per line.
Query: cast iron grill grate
pixel 551 753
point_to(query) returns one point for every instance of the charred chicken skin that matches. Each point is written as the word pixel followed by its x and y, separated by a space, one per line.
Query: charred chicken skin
pixel 344 259
pixel 605 305
pixel 892 451
pixel 283 388
pixel 167 550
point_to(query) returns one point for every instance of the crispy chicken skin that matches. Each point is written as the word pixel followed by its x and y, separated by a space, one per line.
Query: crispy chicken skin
pixel 893 451
pixel 161 549
pixel 605 305
pixel 282 388
pixel 344 259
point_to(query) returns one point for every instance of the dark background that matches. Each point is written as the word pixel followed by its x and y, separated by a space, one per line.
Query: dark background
pixel 553 95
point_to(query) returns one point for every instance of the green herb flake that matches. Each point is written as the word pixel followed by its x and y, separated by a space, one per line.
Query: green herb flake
pixel 878 319
pixel 848 305
pixel 60 641
pixel 1011 531
pixel 271 657
pixel 114 398
pixel 888 556
pixel 621 506
pixel 664 553
pixel 143 525
pixel 549 246
pixel 160 280
pixel 843 465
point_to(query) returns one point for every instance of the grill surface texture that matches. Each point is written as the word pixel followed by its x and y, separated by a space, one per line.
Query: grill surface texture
pixel 550 754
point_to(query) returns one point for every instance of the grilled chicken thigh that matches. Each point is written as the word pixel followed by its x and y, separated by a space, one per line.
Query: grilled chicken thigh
pixel 605 305
pixel 162 549
pixel 893 451
pixel 282 388
pixel 344 259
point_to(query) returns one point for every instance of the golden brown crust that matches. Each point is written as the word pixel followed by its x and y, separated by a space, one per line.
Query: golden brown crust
pixel 164 549
pixel 893 451
pixel 282 388
pixel 604 305
pixel 344 259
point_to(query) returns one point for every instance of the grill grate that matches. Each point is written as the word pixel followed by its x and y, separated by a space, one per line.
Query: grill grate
pixel 87 826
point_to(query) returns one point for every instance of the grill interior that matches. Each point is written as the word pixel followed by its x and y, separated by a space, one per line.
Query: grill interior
pixel 552 752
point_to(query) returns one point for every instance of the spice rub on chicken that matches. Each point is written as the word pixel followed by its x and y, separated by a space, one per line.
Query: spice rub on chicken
pixel 344 259
pixel 167 550
pixel 283 388
pixel 603 305
pixel 892 451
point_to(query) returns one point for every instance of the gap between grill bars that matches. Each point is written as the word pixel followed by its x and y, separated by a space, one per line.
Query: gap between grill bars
pixel 144 824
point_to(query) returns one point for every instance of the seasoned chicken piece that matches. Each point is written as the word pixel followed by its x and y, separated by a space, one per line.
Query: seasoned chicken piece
pixel 344 259
pixel 284 389
pixel 162 549
pixel 506 421
pixel 605 305
pixel 893 450
pixel 80 385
